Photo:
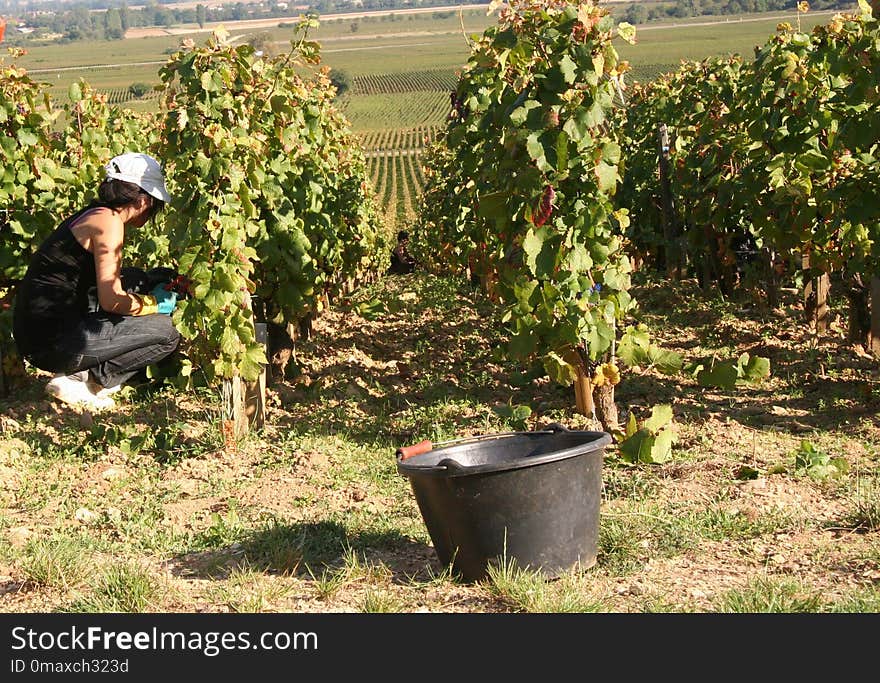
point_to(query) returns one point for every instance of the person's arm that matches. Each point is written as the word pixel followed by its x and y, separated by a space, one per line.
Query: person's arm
pixel 107 234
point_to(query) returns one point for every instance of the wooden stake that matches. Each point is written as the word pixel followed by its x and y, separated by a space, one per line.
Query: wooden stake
pixel 244 403
pixel 234 415
pixel 816 299
pixel 304 329
pixel 672 256
pixel 583 393
pixel 255 392
pixel 823 287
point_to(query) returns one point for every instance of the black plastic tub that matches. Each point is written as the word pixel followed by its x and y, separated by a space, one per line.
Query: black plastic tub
pixel 528 497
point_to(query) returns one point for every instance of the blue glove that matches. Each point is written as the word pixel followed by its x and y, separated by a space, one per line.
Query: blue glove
pixel 165 300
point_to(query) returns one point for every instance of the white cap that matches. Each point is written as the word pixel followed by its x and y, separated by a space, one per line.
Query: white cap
pixel 142 170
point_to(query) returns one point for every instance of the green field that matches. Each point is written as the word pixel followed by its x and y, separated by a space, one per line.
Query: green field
pixel 381 111
pixel 665 47
pixel 386 47
pixel 401 68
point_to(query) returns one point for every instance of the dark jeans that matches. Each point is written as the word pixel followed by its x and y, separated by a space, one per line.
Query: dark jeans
pixel 113 348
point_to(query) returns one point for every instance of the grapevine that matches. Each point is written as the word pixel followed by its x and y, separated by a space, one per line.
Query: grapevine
pixel 520 187
pixel 271 195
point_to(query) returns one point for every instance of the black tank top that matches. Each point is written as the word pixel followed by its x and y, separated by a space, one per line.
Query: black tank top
pixel 55 291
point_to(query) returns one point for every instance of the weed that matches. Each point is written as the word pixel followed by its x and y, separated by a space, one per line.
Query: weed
pixel 445 576
pixel 518 587
pixel 571 593
pixel 526 590
pixel 862 601
pixel 330 582
pixel 59 562
pixel 247 590
pixel 814 462
pixel 627 537
pixel 285 548
pixel 864 507
pixel 632 483
pixel 516 416
pixel 121 588
pixel 223 531
pixel 381 601
pixel 620 550
pixel 718 523
pixel 770 595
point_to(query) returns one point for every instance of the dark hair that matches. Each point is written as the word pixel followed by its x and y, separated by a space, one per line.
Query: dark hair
pixel 402 235
pixel 114 194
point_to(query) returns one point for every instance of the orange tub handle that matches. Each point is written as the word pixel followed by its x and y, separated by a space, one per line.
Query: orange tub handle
pixel 416 449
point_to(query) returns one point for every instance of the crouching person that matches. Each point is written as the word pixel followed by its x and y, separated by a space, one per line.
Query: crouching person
pixel 96 343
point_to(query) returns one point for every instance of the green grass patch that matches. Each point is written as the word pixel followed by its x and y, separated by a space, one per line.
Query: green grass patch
pixel 59 561
pixel 770 595
pixel 524 590
pixel 863 508
pixel 121 588
pixel 864 601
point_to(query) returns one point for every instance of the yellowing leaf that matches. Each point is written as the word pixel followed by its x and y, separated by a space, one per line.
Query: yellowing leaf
pixel 661 416
pixel 221 34
pixel 631 425
pixel 607 176
pixel 628 32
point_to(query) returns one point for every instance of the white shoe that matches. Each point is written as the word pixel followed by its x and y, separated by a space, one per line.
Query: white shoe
pixel 99 391
pixel 74 390
pixel 81 376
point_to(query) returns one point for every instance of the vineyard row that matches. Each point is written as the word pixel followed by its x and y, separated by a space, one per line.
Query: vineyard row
pixel 399 183
pixel 442 80
pixel 399 139
pixel 123 95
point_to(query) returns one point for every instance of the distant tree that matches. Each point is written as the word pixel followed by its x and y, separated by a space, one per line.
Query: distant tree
pixel 201 15
pixel 149 11
pixel 139 89
pixel 636 14
pixel 341 80
pixel 239 11
pixel 113 25
pixel 124 16
pixel 682 9
pixel 262 43
pixel 165 17
pixel 78 24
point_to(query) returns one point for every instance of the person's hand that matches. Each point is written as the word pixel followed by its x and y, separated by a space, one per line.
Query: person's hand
pixel 166 300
